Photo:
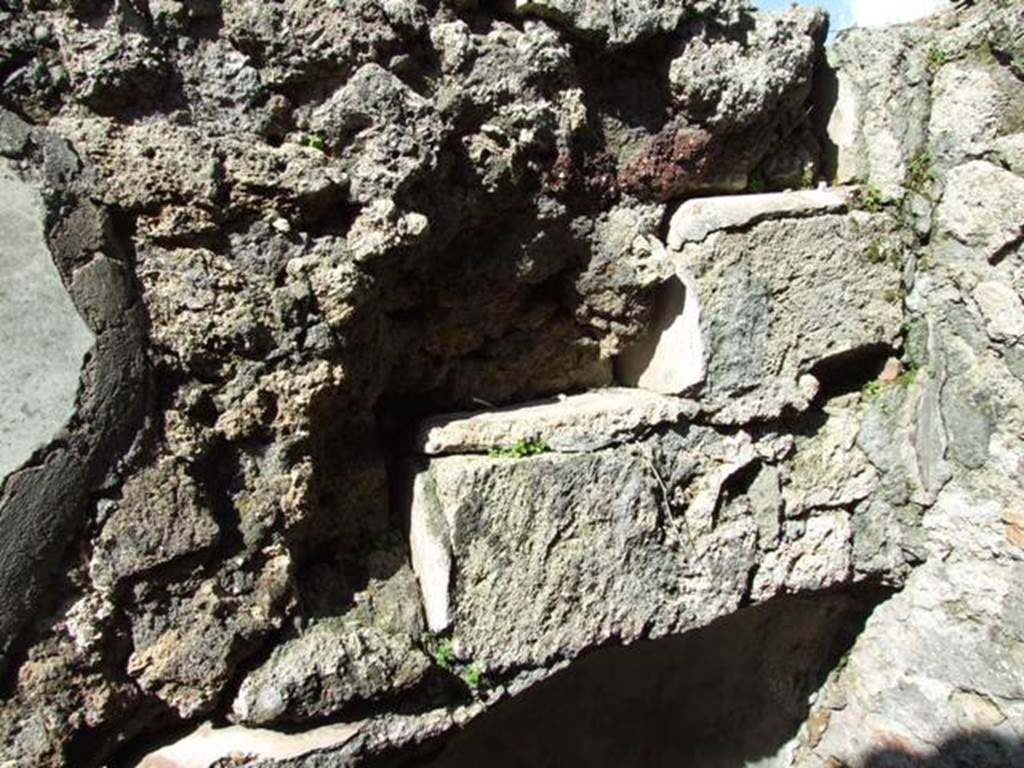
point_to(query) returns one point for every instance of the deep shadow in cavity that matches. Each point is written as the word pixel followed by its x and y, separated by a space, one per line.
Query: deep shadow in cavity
pixel 824 98
pixel 981 749
pixel 849 371
pixel 727 694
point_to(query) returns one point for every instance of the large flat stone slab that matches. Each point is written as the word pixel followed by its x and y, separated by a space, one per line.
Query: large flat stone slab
pixel 43 337
pixel 698 218
pixel 528 560
pixel 583 422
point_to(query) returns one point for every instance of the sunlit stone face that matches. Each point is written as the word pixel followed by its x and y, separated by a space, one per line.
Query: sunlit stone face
pixel 42 337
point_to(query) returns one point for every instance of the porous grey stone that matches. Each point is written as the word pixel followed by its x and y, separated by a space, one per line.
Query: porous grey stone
pixel 159 518
pixel 368 119
pixel 333 663
pixel 728 82
pixel 631 20
pixel 969 107
pixel 186 647
pixel 982 208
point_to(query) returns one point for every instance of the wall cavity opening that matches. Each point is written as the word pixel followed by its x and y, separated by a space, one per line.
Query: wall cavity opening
pixel 849 371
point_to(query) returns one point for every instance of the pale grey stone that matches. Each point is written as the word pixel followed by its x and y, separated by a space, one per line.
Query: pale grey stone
pixel 964 401
pixel 968 108
pixel 942 657
pixel 1002 309
pixel 43 337
pixel 930 440
pixel 829 468
pixel 879 119
pixel 948 673
pixel 14 134
pixel 573 423
pixel 695 219
pixel 1010 150
pixel 982 208
pixel 779 299
pixel 768 505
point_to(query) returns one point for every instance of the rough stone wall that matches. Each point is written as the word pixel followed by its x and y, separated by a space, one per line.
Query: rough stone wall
pixel 308 510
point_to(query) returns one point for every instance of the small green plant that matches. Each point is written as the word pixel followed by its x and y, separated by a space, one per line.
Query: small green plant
pixel 471 676
pixel 520 449
pixel 440 649
pixel 314 140
pixel 908 377
pixel 892 295
pixel 879 252
pixel 756 184
pixel 872 388
pixel 919 171
pixel 905 379
pixel 936 58
pixel 871 199
pixel 444 657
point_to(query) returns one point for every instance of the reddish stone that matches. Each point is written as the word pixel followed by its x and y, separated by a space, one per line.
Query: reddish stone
pixel 680 160
pixel 675 161
pixel 586 178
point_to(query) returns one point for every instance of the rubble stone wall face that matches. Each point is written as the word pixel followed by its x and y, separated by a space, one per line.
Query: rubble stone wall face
pixel 403 369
